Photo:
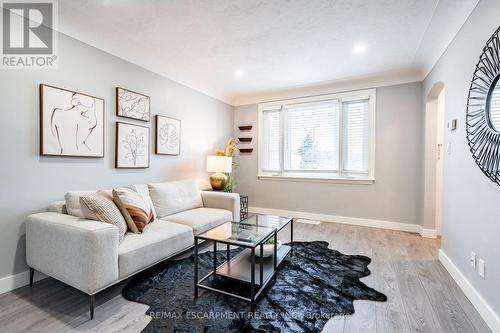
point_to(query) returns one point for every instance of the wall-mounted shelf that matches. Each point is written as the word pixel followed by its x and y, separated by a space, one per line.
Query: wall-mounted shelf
pixel 245 139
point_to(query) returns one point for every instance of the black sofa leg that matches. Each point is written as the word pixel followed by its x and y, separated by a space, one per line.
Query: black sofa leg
pixel 92 303
pixel 32 273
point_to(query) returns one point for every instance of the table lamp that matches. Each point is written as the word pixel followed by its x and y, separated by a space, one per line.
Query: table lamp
pixel 219 164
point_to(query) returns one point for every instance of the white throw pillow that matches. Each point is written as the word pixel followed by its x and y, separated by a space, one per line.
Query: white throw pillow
pixel 72 199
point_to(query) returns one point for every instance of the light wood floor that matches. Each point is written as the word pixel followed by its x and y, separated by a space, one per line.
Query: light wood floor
pixel 422 297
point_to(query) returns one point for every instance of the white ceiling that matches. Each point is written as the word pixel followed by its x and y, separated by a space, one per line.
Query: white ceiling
pixel 278 43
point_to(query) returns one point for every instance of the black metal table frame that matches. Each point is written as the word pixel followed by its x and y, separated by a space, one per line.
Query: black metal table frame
pixel 263 283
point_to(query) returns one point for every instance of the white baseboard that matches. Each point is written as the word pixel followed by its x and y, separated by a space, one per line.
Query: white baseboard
pixel 11 282
pixel 428 233
pixel 415 228
pixel 489 316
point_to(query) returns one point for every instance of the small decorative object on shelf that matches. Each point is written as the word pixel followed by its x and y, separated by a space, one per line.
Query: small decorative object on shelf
pixel 245 150
pixel 243 207
pixel 268 248
pixel 245 139
pixel 245 127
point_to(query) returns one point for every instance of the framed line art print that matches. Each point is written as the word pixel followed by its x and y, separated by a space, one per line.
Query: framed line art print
pixel 167 136
pixel 132 146
pixel 131 104
pixel 71 123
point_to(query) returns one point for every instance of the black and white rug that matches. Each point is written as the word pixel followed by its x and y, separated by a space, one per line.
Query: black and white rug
pixel 311 287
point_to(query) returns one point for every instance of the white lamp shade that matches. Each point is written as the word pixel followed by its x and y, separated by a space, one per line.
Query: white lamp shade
pixel 219 163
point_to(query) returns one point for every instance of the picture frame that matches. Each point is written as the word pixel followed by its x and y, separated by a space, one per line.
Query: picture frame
pixel 167 136
pixel 72 124
pixel 132 146
pixel 133 105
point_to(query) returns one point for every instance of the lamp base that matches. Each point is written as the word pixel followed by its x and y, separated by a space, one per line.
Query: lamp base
pixel 218 181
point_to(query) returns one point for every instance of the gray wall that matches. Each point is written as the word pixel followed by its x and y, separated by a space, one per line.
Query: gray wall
pixel 397 192
pixel 29 182
pixel 471 212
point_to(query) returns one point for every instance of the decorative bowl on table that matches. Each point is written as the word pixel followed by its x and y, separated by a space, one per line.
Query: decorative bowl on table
pixel 268 249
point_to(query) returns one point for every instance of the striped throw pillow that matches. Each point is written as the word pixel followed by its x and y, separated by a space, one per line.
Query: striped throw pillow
pixel 135 207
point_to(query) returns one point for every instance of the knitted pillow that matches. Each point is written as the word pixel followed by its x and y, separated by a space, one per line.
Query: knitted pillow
pixel 101 208
pixel 135 207
pixel 72 199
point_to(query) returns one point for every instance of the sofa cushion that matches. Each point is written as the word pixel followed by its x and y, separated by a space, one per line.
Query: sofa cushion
pixel 201 219
pixel 174 197
pixel 159 240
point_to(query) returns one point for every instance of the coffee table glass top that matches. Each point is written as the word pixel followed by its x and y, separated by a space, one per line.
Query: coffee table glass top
pixel 247 235
pixel 273 221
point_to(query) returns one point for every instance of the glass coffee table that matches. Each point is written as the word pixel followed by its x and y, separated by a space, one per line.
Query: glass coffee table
pixel 250 234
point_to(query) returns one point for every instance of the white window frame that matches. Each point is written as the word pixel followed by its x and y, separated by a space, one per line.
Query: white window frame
pixel 369 94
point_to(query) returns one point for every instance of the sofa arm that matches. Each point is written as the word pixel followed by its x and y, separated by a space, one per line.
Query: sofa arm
pixel 81 253
pixel 224 200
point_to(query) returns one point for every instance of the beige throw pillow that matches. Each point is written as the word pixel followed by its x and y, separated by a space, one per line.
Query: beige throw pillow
pixel 89 214
pixel 135 207
pixel 72 199
pixel 101 208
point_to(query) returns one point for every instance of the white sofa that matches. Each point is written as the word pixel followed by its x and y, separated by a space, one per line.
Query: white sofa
pixel 85 254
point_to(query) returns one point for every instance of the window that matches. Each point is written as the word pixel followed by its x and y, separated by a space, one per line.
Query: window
pixel 355 134
pixel 324 137
pixel 271 132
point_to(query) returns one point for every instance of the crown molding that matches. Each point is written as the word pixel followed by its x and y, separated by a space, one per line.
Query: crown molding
pixel 363 82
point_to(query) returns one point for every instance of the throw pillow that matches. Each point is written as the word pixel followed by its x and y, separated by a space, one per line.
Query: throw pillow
pixel 72 199
pixel 144 190
pixel 134 206
pixel 101 208
pixel 89 214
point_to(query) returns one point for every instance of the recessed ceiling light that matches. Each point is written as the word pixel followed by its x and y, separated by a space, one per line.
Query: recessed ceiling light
pixel 239 72
pixel 359 48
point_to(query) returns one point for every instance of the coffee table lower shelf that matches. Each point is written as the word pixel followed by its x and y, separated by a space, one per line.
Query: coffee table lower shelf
pixel 238 268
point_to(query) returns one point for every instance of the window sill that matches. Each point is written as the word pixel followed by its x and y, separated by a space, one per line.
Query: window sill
pixel 360 181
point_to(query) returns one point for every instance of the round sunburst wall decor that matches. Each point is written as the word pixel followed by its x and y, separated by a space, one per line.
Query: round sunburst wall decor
pixel 483 110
